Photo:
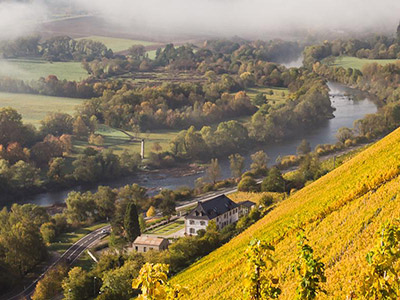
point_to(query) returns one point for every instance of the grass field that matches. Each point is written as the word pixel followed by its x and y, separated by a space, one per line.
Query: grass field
pixel 116 44
pixel 279 96
pixel 33 69
pixel 35 107
pixel 118 141
pixel 169 228
pixel 341 214
pixel 358 63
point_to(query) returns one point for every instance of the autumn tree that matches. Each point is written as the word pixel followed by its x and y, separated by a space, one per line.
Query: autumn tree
pixel 274 182
pixel 78 285
pixel 259 163
pixel 50 285
pixel 236 164
pixel 304 148
pixel 151 212
pixel 214 171
pixel 154 285
pixel 344 134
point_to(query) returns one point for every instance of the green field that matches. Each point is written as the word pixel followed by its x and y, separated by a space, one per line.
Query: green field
pixel 116 44
pixel 277 97
pixel 35 107
pixel 118 141
pixel 33 69
pixel 358 63
pixel 169 228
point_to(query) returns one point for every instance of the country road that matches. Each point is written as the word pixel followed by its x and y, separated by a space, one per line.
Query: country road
pixel 70 256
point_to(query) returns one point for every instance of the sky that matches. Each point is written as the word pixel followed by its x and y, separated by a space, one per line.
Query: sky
pixel 216 17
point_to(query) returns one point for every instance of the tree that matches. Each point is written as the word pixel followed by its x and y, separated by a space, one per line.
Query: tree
pixel 168 204
pixel 57 169
pixel 131 222
pixel 104 200
pixel 248 184
pixel 129 162
pixel 259 163
pixel 259 99
pixel 80 207
pixel 310 271
pixel 57 124
pixel 50 286
pixel 213 171
pixel 11 126
pixel 304 148
pixel 154 285
pixel 259 280
pixel 151 212
pixel 48 232
pixel 381 280
pixel 343 134
pixel 237 164
pixel 77 285
pixel 24 175
pixel 80 129
pixel 274 182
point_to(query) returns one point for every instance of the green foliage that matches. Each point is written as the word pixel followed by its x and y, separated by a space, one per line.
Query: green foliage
pixel 310 271
pixel 214 171
pixel 131 222
pixel 260 282
pixel 304 148
pixel 381 279
pixel 78 285
pixel 248 184
pixel 274 182
pixel 50 286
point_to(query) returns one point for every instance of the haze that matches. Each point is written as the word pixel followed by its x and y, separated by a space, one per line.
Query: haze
pixel 250 18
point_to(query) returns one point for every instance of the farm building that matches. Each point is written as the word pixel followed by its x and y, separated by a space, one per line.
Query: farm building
pixel 145 243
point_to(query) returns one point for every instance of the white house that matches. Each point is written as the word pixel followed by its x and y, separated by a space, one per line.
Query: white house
pixel 221 209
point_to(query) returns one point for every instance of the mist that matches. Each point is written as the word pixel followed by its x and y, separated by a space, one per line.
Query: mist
pixel 248 17
pixel 19 19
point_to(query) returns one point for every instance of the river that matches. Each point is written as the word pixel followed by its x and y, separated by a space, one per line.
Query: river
pixel 350 105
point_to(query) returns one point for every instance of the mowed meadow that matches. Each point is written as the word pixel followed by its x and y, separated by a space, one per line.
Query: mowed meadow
pixel 34 108
pixel 358 63
pixel 341 214
pixel 34 69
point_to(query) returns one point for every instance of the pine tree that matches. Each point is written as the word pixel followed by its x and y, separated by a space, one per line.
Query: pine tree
pixel 131 222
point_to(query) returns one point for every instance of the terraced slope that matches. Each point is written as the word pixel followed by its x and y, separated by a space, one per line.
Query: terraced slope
pixel 341 213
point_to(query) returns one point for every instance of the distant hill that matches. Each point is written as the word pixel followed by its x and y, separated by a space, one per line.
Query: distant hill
pixel 341 213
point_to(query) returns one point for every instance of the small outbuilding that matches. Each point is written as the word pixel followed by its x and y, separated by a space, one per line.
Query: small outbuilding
pixel 245 207
pixel 146 243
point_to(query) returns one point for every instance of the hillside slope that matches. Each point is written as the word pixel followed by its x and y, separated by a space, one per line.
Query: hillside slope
pixel 341 213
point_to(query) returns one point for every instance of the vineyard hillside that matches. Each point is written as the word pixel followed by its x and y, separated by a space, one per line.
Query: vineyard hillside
pixel 340 213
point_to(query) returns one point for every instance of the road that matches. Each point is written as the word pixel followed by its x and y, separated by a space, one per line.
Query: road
pixel 70 256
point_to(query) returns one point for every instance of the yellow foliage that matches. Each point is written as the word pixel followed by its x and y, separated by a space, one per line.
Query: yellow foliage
pixel 340 213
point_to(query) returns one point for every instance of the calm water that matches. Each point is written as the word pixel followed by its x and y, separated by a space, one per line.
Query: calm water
pixel 347 111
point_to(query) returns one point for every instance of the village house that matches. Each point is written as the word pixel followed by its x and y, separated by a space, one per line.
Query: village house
pixel 221 209
pixel 245 207
pixel 145 243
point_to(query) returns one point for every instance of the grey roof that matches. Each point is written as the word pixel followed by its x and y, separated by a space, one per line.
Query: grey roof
pixel 212 208
pixel 246 203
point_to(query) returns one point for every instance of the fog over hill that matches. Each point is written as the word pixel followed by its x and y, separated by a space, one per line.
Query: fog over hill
pixel 247 18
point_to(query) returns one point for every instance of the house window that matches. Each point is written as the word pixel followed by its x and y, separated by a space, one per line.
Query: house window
pixel 151 248
pixel 191 222
pixel 191 230
pixel 202 223
pixel 136 248
pixel 144 249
